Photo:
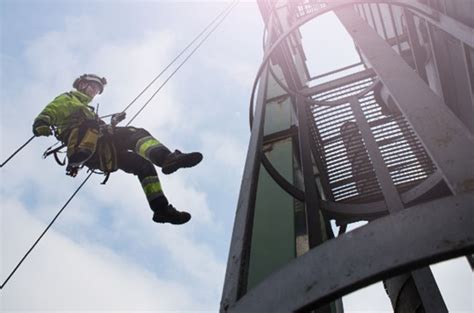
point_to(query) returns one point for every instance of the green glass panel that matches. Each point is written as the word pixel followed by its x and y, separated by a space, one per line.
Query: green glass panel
pixel 273 235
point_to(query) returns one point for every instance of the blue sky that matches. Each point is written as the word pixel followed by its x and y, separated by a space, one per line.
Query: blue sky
pixel 105 252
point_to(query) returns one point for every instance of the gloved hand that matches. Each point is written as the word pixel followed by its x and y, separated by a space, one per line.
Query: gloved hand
pixel 117 118
pixel 41 128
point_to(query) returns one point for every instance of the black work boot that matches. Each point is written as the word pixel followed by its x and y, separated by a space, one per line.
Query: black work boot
pixel 177 160
pixel 170 215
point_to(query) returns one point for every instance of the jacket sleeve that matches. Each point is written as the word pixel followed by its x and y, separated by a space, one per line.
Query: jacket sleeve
pixel 52 112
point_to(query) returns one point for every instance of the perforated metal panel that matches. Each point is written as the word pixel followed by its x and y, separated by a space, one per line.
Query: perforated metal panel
pixel 343 153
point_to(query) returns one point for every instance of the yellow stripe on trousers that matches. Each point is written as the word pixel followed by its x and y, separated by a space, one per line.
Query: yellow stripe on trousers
pixel 145 144
pixel 152 187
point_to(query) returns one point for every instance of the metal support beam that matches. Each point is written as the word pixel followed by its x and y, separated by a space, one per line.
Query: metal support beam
pixel 422 188
pixel 428 290
pixel 450 25
pixel 312 200
pixel 389 191
pixel 350 213
pixel 311 196
pixel 242 225
pixel 359 258
pixel 470 259
pixel 415 46
pixel 444 136
pixel 426 285
pixel 351 78
pixel 370 211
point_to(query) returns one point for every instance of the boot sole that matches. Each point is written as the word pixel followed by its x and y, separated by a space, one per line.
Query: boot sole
pixel 163 220
pixel 190 160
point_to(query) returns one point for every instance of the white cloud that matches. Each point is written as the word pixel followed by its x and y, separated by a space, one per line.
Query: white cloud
pixel 456 283
pixel 226 150
pixel 240 71
pixel 61 275
pixel 369 299
pixel 186 197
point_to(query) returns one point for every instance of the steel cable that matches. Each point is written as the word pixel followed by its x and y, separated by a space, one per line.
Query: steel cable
pixel 46 229
pixel 233 5
pixel 17 150
pixel 229 7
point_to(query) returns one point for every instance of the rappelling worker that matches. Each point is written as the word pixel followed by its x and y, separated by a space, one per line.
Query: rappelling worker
pixel 91 142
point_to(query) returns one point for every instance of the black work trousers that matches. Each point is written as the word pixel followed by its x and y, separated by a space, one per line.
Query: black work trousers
pixel 125 140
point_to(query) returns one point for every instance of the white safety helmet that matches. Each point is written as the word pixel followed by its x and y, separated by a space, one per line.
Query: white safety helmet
pixel 90 78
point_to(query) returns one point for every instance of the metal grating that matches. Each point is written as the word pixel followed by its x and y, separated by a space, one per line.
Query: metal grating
pixel 304 7
pixel 344 156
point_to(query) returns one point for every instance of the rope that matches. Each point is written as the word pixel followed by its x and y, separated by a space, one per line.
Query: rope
pixel 224 14
pixel 229 7
pixel 44 232
pixel 17 150
pixel 233 5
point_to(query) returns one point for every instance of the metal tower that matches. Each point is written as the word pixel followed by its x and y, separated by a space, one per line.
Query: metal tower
pixel 388 140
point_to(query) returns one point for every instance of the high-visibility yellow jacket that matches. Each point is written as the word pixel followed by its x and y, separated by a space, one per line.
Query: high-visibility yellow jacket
pixel 67 111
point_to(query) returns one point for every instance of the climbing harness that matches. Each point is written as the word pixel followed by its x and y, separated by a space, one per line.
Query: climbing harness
pixel 55 151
